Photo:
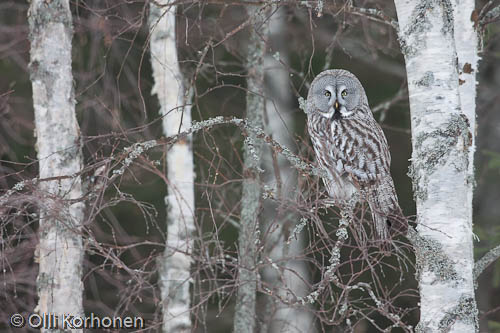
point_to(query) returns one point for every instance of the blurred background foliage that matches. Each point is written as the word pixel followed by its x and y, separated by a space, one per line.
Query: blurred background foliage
pixel 113 81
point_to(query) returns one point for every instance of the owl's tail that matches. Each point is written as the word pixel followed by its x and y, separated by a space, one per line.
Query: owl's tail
pixel 386 213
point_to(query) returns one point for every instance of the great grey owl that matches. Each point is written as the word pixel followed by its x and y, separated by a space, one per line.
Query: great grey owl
pixel 351 147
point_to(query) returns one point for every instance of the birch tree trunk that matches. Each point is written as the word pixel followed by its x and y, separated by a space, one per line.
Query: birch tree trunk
pixel 432 35
pixel 291 277
pixel 60 251
pixel 174 272
pixel 248 238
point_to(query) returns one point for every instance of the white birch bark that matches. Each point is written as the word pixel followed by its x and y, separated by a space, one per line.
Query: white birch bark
pixel 289 280
pixel 60 251
pixel 466 43
pixel 248 238
pixel 175 276
pixel 442 138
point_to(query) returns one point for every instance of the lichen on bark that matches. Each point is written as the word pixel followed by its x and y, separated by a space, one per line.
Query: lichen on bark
pixel 433 148
pixel 60 250
pixel 248 276
pixel 465 310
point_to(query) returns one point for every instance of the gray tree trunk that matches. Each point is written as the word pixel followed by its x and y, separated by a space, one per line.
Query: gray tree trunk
pixel 248 238
pixel 288 280
pixel 175 277
pixel 60 251
pixel 439 44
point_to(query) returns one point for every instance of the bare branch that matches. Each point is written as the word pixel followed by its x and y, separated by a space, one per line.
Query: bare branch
pixel 485 261
pixel 488 14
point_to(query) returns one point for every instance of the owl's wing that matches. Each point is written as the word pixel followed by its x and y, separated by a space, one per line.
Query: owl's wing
pixel 366 161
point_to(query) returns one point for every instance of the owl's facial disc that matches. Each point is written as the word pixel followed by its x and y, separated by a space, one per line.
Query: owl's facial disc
pixel 329 95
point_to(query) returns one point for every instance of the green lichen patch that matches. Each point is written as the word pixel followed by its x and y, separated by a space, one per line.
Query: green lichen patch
pixel 430 256
pixel 427 79
pixel 464 311
pixel 303 104
pixel 447 16
pixel 426 158
pixel 43 13
pixel 422 328
pixel 420 23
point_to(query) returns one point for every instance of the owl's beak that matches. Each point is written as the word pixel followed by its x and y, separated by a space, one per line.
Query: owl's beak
pixel 336 112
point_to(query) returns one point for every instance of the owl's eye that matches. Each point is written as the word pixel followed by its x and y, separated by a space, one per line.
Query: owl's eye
pixel 328 94
pixel 344 93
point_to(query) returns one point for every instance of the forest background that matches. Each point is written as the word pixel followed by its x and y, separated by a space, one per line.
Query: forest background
pixel 115 108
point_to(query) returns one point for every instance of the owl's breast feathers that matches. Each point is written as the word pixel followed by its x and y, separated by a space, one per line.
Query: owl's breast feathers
pixel 354 147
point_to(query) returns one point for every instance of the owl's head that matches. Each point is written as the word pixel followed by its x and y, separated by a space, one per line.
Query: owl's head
pixel 336 93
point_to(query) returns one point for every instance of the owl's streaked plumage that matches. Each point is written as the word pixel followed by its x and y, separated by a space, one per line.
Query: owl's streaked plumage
pixel 350 145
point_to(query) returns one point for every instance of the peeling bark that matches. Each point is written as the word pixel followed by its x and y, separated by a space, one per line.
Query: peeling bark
pixel 432 36
pixel 60 251
pixel 175 275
